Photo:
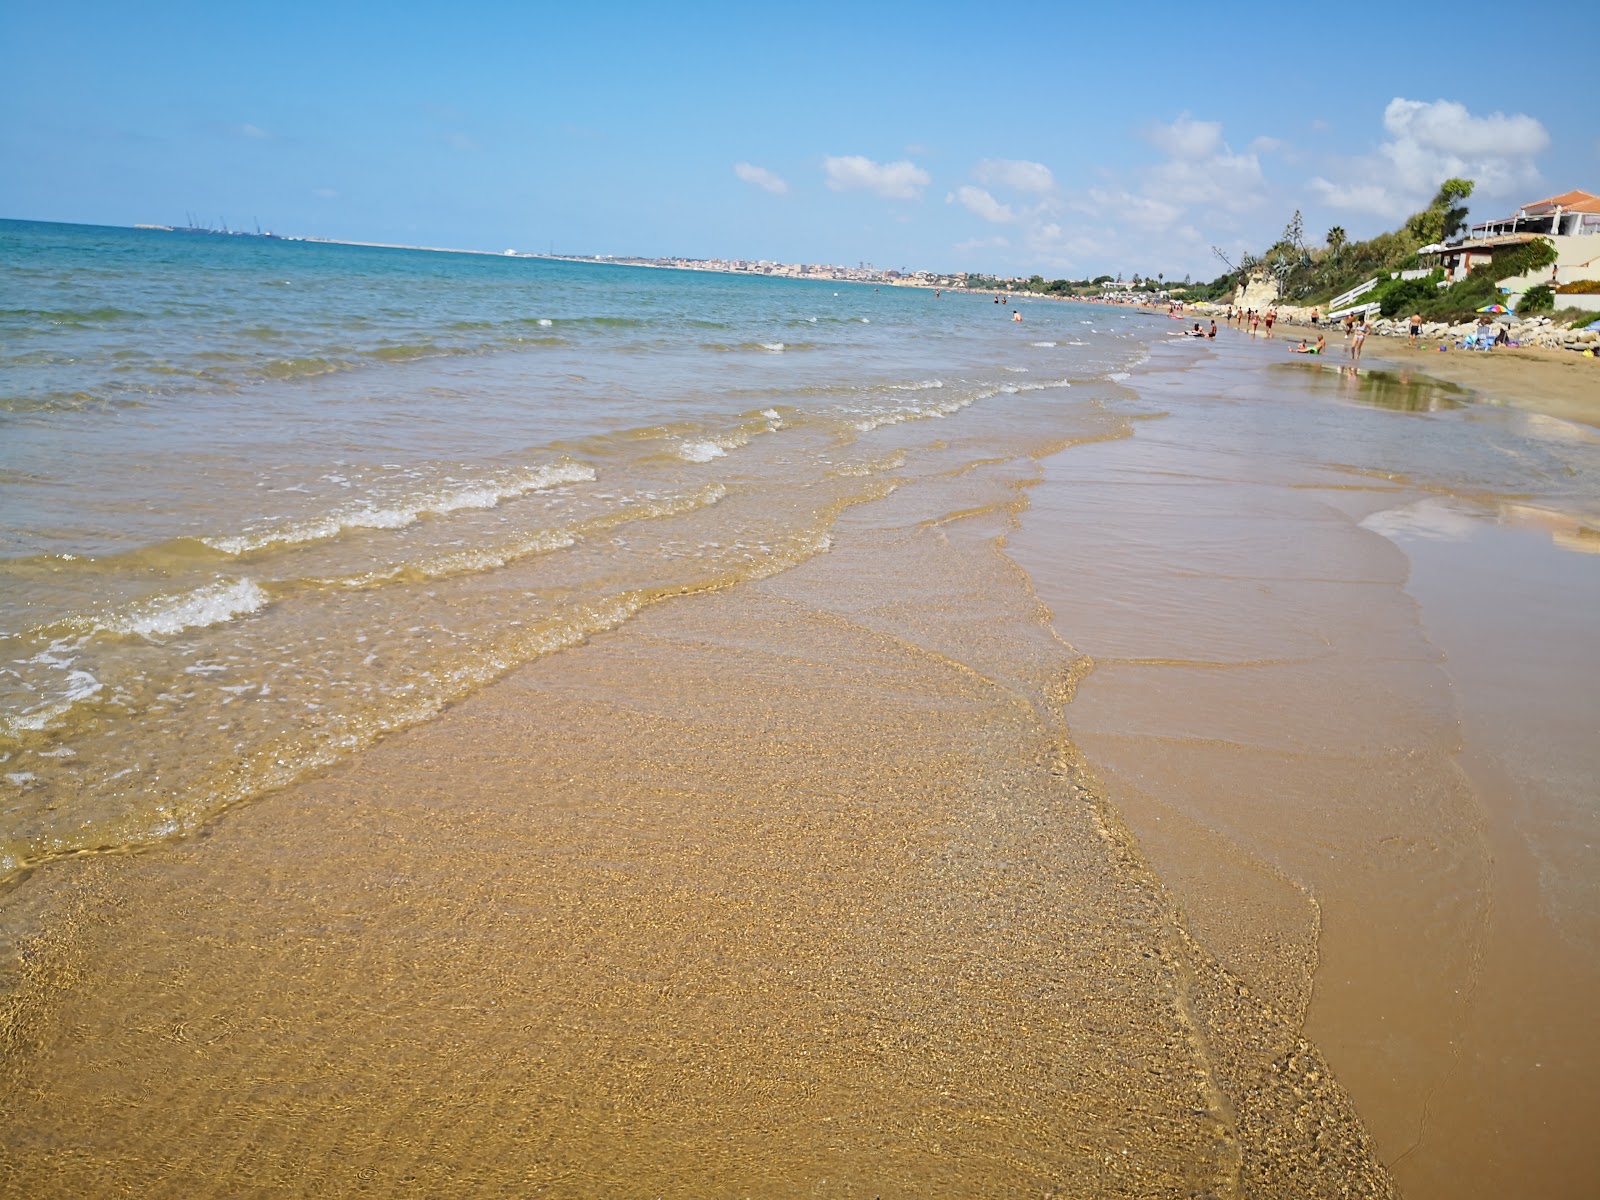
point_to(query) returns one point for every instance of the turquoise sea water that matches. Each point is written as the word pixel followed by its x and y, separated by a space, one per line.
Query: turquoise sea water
pixel 265 500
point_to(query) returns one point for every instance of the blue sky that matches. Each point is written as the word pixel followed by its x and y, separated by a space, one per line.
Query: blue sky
pixel 1009 138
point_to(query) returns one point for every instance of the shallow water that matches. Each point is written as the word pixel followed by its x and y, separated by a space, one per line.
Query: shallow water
pixel 221 572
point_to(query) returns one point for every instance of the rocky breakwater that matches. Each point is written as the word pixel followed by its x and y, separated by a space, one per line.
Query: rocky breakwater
pixel 1532 331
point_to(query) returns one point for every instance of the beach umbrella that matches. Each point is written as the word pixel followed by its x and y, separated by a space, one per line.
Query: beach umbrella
pixel 1593 325
pixel 1494 308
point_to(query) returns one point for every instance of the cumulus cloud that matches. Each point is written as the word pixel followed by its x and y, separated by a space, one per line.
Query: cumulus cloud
pixel 902 180
pixel 981 203
pixel 761 177
pixel 1429 143
pixel 1017 174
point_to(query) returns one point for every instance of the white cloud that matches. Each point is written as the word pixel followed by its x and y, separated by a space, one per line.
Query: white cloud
pixel 761 177
pixel 1429 143
pixel 1187 138
pixel 1017 174
pixel 894 181
pixel 1265 145
pixel 981 203
pixel 1147 212
pixel 254 132
pixel 1448 127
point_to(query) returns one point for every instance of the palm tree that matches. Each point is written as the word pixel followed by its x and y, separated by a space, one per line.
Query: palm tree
pixel 1336 239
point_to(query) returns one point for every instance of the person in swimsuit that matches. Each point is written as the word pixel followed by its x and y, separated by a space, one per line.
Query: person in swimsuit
pixel 1213 331
pixel 1255 322
pixel 1416 330
pixel 1357 338
pixel 1272 315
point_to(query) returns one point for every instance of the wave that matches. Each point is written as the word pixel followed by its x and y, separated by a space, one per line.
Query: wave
pixel 71 316
pixel 205 606
pixel 403 513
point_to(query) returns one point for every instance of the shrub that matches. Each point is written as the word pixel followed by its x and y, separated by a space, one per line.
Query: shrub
pixel 1529 256
pixel 1537 299
pixel 1574 318
pixel 1580 287
pixel 1406 296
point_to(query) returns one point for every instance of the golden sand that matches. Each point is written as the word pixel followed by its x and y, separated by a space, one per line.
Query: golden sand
pixel 792 889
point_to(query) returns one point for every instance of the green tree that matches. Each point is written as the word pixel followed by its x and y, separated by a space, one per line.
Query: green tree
pixel 1336 239
pixel 1443 217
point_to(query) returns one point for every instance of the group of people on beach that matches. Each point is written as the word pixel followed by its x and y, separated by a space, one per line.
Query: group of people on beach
pixel 1252 319
pixel 1355 329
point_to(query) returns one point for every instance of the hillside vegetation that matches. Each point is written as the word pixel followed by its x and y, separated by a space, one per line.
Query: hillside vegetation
pixel 1314 275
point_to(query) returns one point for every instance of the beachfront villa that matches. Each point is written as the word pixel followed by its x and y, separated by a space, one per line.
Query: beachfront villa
pixel 1570 222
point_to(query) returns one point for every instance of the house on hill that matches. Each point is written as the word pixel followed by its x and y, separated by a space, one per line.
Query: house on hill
pixel 1570 222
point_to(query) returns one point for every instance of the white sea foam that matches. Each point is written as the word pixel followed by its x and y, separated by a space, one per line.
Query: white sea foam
pixel 406 511
pixel 77 687
pixel 772 346
pixel 1016 370
pixel 1044 345
pixel 1117 376
pixel 165 615
pixel 700 452
pixel 546 322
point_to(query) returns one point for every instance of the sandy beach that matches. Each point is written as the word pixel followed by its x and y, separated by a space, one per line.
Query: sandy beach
pixel 1153 813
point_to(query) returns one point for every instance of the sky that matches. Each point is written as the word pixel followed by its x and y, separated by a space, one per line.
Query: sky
pixel 1042 138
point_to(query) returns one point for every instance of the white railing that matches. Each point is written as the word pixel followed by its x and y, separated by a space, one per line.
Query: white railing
pixel 1361 310
pixel 1354 293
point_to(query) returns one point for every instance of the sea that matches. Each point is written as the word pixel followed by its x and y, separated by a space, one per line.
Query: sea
pixel 266 500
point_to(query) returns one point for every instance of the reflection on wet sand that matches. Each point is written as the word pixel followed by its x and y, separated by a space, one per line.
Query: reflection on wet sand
pixel 1402 390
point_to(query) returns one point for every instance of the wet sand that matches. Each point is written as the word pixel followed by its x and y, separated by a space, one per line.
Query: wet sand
pixel 1368 756
pixel 1559 383
pixel 862 880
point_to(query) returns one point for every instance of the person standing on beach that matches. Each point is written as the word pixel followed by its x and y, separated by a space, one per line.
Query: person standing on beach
pixel 1416 331
pixel 1213 332
pixel 1272 315
pixel 1359 337
pixel 1255 322
pixel 1316 315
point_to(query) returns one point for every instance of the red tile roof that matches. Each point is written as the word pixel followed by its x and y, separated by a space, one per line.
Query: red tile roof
pixel 1568 202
